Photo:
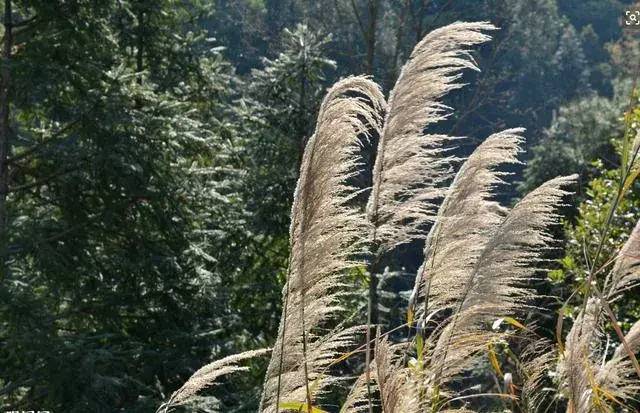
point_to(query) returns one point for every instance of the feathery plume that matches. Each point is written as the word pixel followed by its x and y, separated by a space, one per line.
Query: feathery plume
pixel 498 286
pixel 537 358
pixel 465 222
pixel 207 375
pixel 626 271
pixel 618 376
pixel 357 400
pixel 577 369
pixel 325 233
pixel 398 393
pixel 411 166
pixel 632 338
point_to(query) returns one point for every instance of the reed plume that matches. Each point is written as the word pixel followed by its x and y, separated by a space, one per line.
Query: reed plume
pixel 466 221
pixel 357 400
pixel 326 234
pixel 577 367
pixel 618 376
pixel 499 282
pixel 398 392
pixel 626 271
pixel 479 259
pixel 206 377
pixel 411 166
pixel 538 359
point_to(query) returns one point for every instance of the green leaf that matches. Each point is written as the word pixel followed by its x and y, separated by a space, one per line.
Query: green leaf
pixel 300 407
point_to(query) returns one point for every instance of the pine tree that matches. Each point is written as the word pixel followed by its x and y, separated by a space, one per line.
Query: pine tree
pixel 121 176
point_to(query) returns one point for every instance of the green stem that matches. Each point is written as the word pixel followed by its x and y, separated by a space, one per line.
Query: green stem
pixel 282 338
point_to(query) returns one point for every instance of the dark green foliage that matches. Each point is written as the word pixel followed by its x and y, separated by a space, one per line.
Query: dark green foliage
pixel 585 234
pixel 284 98
pixel 582 132
pixel 119 182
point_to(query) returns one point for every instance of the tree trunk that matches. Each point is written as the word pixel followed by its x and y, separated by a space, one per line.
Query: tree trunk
pixel 302 118
pixel 371 36
pixel 394 72
pixel 140 46
pixel 139 52
pixel 4 126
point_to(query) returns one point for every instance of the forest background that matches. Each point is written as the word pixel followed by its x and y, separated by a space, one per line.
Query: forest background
pixel 149 151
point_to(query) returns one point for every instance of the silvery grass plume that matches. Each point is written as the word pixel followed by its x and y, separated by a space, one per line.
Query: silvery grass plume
pixel 404 388
pixel 326 234
pixel 398 390
pixel 578 367
pixel 412 165
pixel 536 363
pixel 358 399
pixel 398 393
pixel 626 271
pixel 617 376
pixel 499 284
pixel 466 221
pixel 478 263
pixel 206 377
